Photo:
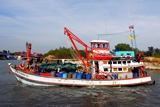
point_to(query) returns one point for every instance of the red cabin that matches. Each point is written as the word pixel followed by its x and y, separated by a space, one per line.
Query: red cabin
pixel 100 50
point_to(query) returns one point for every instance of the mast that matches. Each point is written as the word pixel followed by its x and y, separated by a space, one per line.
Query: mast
pixel 133 37
pixel 130 27
pixel 132 34
pixel 28 46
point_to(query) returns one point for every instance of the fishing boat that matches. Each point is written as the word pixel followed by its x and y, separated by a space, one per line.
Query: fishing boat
pixel 100 68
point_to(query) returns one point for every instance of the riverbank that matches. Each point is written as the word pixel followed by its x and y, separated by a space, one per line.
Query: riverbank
pixel 152 63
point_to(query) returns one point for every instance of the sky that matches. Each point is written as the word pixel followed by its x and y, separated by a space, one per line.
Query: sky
pixel 42 22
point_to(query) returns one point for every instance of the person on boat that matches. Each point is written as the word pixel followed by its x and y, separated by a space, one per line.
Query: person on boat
pixel 29 62
pixel 139 57
pixel 58 61
pixel 144 71
pixel 41 60
pixel 35 60
pixel 32 65
pixel 135 72
pixel 59 69
pixel 46 60
pixel 36 67
pixel 38 60
pixel 32 70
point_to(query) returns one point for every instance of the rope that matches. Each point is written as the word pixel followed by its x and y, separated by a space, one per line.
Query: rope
pixel 101 34
pixel 113 33
pixel 74 55
pixel 8 69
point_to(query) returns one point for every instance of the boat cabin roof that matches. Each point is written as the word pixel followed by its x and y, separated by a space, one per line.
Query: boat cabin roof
pixel 99 41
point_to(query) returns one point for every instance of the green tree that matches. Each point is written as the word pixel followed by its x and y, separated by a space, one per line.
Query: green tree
pixel 63 52
pixel 157 50
pixel 123 47
pixel 83 53
pixel 151 49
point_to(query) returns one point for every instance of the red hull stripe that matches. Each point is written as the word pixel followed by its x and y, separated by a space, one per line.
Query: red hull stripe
pixel 73 84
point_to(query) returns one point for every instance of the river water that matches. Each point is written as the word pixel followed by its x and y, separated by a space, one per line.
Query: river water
pixel 15 94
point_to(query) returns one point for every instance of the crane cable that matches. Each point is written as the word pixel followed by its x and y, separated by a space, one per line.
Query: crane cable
pixel 70 49
pixel 113 33
pixel 74 55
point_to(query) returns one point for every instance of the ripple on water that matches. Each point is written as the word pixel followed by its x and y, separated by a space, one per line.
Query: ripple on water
pixel 13 93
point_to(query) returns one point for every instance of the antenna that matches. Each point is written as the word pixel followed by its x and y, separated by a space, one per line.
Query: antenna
pixel 130 27
pixel 105 23
pixel 132 34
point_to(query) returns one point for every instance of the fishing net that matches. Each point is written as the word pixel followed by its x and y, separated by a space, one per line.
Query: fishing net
pixel 67 67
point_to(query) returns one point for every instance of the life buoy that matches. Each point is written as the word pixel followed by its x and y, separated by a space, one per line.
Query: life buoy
pixel 98 77
pixel 103 77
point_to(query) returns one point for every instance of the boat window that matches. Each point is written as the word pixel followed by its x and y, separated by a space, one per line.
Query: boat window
pixel 98 45
pixel 119 69
pixel 133 61
pixel 115 69
pixel 128 61
pixel 103 45
pixel 128 54
pixel 93 45
pixel 110 62
pixel 124 69
pixel 122 54
pixel 104 62
pixel 105 69
pixel 119 62
pixel 124 62
pixel 107 45
pixel 114 62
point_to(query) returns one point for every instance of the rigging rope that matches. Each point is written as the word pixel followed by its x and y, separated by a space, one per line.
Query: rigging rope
pixel 74 55
pixel 70 49
pixel 113 33
pixel 102 34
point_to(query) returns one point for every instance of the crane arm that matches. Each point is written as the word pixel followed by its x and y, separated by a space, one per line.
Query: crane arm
pixel 73 37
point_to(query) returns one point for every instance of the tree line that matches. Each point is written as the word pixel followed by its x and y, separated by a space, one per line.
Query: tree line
pixel 63 52
pixel 154 52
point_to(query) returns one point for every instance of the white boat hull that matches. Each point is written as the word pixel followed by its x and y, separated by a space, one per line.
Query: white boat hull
pixel 36 80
